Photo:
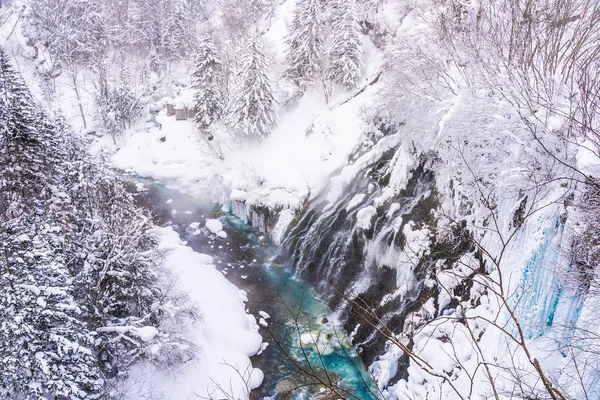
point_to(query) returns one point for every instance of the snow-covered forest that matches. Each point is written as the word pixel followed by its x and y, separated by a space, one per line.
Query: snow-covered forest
pixel 427 170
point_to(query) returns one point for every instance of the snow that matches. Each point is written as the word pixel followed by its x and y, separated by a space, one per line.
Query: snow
pixel 286 217
pixel 356 200
pixel 256 378
pixel 225 334
pixel 204 258
pixel 146 333
pixel 295 164
pixel 309 338
pixel 185 99
pixel 36 290
pixel 214 225
pixel 312 141
pixel 587 158
pixel 403 163
pixel 295 161
pixel 264 315
pixel 364 217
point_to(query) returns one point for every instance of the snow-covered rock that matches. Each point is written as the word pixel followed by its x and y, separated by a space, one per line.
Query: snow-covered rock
pixel 214 225
pixel 364 217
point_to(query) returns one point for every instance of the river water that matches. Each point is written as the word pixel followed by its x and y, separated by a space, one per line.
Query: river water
pixel 305 346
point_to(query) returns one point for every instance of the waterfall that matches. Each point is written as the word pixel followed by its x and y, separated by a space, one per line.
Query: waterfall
pixel 350 249
pixel 374 242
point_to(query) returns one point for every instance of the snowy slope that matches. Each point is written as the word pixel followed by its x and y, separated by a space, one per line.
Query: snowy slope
pixel 225 335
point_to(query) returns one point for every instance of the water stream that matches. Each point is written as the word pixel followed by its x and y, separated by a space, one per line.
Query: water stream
pixel 298 318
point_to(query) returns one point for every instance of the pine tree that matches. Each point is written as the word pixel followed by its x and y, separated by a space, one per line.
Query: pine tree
pixel 22 146
pixel 207 80
pixel 253 107
pixel 77 263
pixel 305 42
pixel 47 351
pixel 345 54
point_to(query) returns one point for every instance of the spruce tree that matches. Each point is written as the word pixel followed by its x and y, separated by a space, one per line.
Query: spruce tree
pixel 207 80
pixel 78 263
pixel 47 351
pixel 21 144
pixel 305 42
pixel 345 54
pixel 253 111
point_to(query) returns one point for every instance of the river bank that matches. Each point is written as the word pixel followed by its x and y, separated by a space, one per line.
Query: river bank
pixel 291 317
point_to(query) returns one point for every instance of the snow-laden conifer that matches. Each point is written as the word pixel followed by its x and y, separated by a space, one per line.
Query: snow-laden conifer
pixel 47 351
pixel 207 80
pixel 345 54
pixel 22 146
pixel 305 42
pixel 253 108
pixel 80 298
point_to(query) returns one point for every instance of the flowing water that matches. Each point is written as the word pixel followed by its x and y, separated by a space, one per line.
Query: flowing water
pixel 307 350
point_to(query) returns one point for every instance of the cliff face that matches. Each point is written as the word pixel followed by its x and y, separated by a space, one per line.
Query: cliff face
pixel 383 251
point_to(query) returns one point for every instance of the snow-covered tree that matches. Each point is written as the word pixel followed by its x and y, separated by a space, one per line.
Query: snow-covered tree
pixel 162 27
pixel 345 54
pixel 79 292
pixel 207 80
pixel 47 351
pixel 72 30
pixel 240 18
pixel 117 104
pixel 21 144
pixel 253 108
pixel 305 42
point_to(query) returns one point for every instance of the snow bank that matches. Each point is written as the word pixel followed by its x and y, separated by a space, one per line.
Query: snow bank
pixel 172 153
pixel 225 335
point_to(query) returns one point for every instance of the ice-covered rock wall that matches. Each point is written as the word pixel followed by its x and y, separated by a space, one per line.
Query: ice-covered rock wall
pixel 369 243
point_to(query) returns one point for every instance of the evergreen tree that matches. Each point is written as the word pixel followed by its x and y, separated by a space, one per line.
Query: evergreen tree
pixel 253 107
pixel 207 80
pixel 117 105
pixel 305 42
pixel 47 351
pixel 22 147
pixel 162 27
pixel 77 263
pixel 345 54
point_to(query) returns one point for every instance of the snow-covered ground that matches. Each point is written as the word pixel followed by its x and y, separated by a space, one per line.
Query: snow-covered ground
pixel 225 335
pixel 312 141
